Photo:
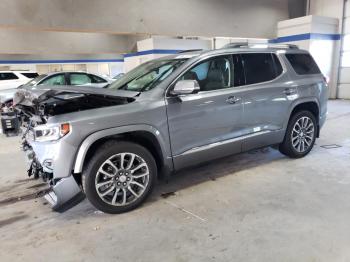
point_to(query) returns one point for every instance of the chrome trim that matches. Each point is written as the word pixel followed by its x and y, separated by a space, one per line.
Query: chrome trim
pixel 216 144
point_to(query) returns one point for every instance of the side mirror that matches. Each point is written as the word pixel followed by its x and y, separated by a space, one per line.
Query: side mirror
pixel 186 87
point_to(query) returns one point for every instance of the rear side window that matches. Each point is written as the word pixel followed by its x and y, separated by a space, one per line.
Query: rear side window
pixel 303 64
pixel 30 75
pixel 260 67
pixel 7 76
pixel 79 79
pixel 96 79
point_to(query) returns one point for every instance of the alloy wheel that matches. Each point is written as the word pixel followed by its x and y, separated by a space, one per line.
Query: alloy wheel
pixel 122 179
pixel 303 134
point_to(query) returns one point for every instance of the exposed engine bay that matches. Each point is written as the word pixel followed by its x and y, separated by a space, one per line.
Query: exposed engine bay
pixel 57 102
pixel 36 107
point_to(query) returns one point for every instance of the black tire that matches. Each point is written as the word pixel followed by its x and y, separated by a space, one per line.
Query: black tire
pixel 106 151
pixel 286 147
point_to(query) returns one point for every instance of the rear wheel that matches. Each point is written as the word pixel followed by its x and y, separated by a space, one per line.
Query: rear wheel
pixel 119 177
pixel 300 135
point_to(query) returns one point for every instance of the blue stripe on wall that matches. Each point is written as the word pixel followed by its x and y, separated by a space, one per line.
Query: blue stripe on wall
pixel 154 51
pixel 61 61
pixel 283 39
pixel 308 36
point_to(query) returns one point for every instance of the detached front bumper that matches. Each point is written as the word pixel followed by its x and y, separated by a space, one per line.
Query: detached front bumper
pixel 65 194
pixel 49 161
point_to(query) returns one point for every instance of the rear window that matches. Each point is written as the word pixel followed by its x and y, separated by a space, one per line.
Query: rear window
pixel 260 67
pixel 303 64
pixel 30 75
pixel 7 76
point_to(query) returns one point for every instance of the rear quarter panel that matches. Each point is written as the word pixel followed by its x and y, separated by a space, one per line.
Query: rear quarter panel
pixel 312 88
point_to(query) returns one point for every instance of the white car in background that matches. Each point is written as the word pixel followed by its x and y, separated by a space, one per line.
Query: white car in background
pixel 55 79
pixel 13 79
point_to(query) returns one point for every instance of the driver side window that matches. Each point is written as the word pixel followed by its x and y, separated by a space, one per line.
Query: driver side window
pixel 212 74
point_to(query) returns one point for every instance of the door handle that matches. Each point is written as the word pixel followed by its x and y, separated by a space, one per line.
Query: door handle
pixel 233 99
pixel 289 91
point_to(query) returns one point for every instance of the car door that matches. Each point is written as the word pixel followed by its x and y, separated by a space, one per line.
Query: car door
pixel 207 124
pixel 267 98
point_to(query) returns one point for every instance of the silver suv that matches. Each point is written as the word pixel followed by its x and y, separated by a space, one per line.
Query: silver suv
pixel 168 114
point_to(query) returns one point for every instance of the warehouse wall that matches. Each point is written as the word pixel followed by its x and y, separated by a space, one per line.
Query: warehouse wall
pixel 344 72
pixel 41 42
pixel 334 9
pixel 105 64
pixel 329 8
pixel 245 18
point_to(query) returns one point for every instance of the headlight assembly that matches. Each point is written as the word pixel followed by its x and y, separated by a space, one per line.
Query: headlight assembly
pixel 51 133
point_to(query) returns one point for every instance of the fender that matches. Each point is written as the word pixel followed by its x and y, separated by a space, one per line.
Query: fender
pixel 298 102
pixel 84 147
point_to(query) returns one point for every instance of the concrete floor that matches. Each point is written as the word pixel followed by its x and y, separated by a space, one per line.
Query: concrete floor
pixel 258 206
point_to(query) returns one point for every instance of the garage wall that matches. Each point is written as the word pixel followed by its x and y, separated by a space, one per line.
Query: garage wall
pixel 41 42
pixel 329 8
pixel 334 9
pixel 104 64
pixel 245 18
pixel 344 74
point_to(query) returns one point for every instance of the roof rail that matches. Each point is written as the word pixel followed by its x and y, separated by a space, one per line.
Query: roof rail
pixel 189 50
pixel 266 45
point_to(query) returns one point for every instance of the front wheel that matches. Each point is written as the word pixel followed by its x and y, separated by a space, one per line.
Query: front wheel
pixel 300 135
pixel 119 177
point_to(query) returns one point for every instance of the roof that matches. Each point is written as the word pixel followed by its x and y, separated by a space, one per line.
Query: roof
pixel 274 48
pixel 17 71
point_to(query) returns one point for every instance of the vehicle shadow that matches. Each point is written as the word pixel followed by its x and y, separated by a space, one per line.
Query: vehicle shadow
pixel 210 171
pixel 213 170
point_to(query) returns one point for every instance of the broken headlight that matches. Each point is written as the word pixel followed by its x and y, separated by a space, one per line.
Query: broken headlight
pixel 46 133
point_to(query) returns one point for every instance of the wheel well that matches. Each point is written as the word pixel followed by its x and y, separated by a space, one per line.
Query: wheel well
pixel 311 107
pixel 143 138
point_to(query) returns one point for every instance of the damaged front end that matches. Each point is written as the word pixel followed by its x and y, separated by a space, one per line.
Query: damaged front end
pixel 44 142
pixel 65 192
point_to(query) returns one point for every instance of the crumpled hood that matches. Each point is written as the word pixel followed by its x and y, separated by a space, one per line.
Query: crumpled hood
pixel 34 96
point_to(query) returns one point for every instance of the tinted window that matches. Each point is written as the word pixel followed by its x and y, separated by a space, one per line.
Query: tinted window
pixel 303 64
pixel 212 74
pixel 30 75
pixel 79 79
pixel 259 67
pixel 8 76
pixel 55 80
pixel 96 79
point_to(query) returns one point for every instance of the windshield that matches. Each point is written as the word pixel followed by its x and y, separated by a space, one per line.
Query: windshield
pixel 147 76
pixel 34 81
